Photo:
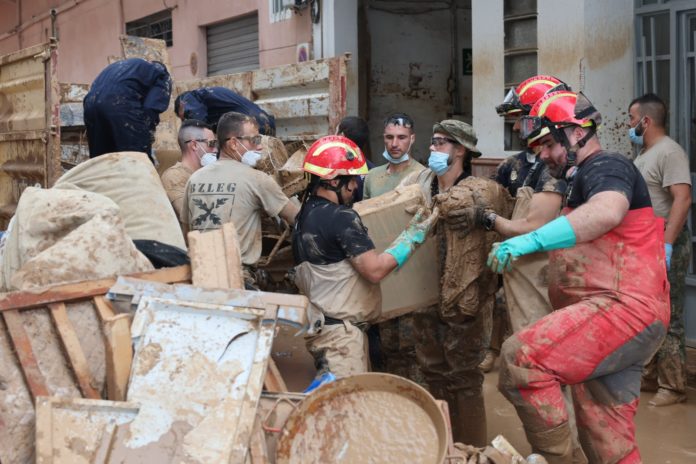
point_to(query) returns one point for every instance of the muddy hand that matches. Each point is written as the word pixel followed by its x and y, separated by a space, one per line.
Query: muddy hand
pixel 499 259
pixel 465 220
pixel 420 225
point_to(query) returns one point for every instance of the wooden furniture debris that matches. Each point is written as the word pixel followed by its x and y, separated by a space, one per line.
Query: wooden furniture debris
pixel 215 258
pixel 417 284
pixel 213 359
pixel 78 431
pixel 52 343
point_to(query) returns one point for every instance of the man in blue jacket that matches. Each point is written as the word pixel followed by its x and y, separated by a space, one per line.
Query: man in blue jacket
pixel 123 106
pixel 210 103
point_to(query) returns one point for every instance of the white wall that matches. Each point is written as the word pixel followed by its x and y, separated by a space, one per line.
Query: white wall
pixel 588 44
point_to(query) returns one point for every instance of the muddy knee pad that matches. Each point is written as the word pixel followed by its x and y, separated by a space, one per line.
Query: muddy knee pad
pixel 508 378
pixel 340 349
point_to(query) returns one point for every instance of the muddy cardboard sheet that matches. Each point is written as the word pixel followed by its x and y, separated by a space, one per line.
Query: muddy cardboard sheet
pixel 417 284
pixel 197 374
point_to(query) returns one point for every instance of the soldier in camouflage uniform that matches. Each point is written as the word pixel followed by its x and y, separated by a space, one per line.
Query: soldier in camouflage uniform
pixel 665 168
pixel 449 349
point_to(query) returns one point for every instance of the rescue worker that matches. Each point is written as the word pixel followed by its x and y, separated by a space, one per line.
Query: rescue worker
pixel 338 268
pixel 231 190
pixel 210 103
pixel 538 200
pixel 665 168
pixel 397 349
pixel 449 351
pixel 607 274
pixel 123 105
pixel 198 148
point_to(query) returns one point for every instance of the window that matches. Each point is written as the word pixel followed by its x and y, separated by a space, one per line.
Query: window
pixel 156 26
pixel 280 10
pixel 520 44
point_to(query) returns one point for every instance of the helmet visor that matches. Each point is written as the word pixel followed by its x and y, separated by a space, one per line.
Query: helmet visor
pixel 511 104
pixel 530 126
pixel 585 110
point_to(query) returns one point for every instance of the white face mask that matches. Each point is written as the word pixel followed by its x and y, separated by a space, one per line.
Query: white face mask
pixel 208 158
pixel 250 158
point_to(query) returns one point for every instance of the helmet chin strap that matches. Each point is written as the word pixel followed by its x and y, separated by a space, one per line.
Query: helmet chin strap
pixel 571 155
pixel 342 182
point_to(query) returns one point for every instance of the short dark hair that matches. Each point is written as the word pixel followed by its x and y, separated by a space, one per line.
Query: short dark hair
pixel 400 119
pixel 653 106
pixel 357 130
pixel 190 129
pixel 231 124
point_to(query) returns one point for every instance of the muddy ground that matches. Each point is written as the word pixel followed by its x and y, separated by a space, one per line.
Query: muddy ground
pixel 665 435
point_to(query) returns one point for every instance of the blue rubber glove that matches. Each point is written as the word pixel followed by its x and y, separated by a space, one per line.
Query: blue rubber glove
pixel 668 254
pixel 552 236
pixel 414 234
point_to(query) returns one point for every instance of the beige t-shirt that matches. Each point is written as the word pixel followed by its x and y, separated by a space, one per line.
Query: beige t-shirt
pixel 662 165
pixel 174 181
pixel 379 180
pixel 229 191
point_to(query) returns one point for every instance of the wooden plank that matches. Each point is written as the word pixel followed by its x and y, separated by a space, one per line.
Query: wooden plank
pixel 27 361
pixel 216 260
pixel 119 356
pixel 82 290
pixel 274 381
pixel 118 348
pixel 73 350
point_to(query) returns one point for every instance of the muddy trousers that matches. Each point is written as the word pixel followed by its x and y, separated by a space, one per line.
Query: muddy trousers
pixel 668 366
pixel 398 348
pixel 449 354
pixel 340 349
pixel 598 346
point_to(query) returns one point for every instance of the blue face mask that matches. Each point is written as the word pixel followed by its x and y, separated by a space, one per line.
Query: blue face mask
pixel 389 158
pixel 635 136
pixel 438 162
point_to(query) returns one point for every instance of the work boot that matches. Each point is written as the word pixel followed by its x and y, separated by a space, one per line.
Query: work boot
pixel 489 361
pixel 469 419
pixel 665 397
pixel 554 444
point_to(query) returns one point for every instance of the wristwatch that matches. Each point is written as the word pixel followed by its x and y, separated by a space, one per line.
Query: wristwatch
pixel 489 220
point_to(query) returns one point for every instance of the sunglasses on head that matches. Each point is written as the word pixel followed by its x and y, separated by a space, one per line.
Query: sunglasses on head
pixel 399 121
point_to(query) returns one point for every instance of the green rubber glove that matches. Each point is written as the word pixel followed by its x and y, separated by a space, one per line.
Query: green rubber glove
pixel 414 234
pixel 552 236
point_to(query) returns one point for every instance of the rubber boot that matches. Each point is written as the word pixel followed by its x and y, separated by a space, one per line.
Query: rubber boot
pixel 554 444
pixel 468 415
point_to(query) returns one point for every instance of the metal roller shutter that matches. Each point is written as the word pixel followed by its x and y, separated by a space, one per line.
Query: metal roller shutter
pixel 233 46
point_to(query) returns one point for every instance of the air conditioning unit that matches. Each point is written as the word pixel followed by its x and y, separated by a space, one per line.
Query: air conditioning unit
pixel 295 4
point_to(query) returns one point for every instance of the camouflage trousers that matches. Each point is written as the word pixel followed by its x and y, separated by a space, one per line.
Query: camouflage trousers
pixel 668 365
pixel 449 352
pixel 500 325
pixel 398 348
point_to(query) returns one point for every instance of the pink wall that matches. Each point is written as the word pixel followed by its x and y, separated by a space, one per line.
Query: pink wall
pixel 88 31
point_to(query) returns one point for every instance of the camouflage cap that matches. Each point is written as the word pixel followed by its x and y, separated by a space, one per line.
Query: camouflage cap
pixel 461 132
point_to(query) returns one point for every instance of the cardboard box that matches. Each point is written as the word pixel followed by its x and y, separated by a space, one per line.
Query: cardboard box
pixel 417 284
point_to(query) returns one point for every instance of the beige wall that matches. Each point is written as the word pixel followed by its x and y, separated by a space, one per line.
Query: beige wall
pixel 88 31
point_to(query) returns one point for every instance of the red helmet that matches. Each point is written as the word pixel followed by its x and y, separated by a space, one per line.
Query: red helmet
pixel 333 156
pixel 521 99
pixel 556 110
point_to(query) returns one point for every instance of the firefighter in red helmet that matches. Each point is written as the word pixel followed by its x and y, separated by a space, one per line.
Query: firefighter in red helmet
pixel 338 268
pixel 607 285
